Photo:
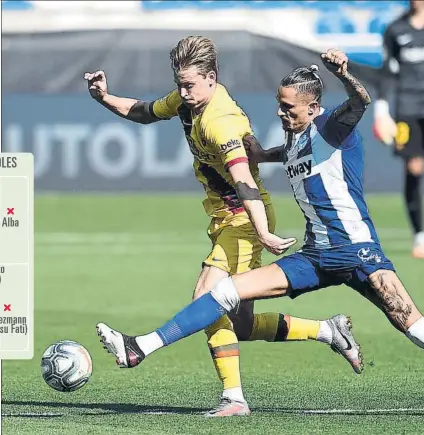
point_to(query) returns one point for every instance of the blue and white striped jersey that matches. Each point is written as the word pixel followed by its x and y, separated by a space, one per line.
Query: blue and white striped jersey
pixel 325 164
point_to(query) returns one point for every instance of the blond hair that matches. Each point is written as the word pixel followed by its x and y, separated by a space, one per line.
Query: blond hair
pixel 195 51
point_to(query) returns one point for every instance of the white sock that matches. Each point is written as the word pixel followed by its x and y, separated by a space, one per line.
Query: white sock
pixel 325 333
pixel 149 343
pixel 416 333
pixel 225 293
pixel 419 239
pixel 235 393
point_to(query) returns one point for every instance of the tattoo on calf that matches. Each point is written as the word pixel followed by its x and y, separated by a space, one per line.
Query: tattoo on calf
pixel 246 193
pixel 392 302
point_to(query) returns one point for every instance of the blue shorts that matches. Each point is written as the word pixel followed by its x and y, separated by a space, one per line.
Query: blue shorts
pixel 312 269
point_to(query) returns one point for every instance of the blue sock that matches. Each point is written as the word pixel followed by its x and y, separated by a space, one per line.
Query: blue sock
pixel 193 318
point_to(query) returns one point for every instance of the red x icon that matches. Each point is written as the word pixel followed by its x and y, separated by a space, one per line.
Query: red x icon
pixel 11 210
pixel 7 307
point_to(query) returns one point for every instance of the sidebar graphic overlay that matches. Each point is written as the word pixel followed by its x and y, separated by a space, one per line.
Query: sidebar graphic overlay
pixel 16 256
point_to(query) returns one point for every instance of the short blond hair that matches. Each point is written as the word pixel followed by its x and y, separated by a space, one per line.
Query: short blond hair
pixel 195 51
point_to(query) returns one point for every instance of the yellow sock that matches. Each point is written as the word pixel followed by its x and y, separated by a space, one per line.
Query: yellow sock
pixel 282 327
pixel 265 326
pixel 224 348
pixel 302 329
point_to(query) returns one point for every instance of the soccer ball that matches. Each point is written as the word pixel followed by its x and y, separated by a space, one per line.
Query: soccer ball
pixel 66 366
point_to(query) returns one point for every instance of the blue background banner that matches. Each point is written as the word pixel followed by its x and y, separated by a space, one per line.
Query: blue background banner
pixel 80 146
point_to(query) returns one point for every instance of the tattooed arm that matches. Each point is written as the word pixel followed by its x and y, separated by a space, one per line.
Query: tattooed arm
pixel 351 111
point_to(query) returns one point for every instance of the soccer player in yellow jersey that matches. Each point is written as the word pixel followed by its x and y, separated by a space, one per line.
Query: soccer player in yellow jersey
pixel 242 216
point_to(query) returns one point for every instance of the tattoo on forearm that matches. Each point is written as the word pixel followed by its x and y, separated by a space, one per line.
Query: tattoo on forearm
pixel 246 193
pixel 392 302
pixel 350 113
pixel 355 89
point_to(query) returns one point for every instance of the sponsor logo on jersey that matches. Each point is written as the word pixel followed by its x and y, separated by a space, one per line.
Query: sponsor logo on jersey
pixel 299 169
pixel 229 146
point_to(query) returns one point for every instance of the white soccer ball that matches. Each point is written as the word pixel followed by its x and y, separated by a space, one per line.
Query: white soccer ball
pixel 66 366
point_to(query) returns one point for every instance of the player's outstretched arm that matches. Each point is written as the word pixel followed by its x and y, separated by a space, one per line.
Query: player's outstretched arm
pixel 257 154
pixel 352 110
pixel 249 195
pixel 128 108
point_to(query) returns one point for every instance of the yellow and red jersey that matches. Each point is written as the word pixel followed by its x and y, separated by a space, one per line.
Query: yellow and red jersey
pixel 215 140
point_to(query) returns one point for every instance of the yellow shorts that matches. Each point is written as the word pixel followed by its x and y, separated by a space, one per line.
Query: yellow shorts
pixel 235 245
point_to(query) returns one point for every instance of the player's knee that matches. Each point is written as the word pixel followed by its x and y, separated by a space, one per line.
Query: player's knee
pixel 384 283
pixel 415 166
pixel 394 299
pixel 208 279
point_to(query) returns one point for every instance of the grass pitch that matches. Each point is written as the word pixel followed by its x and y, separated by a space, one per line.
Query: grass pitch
pixel 132 261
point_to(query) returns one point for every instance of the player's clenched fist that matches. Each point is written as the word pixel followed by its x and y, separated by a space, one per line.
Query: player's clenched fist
pixel 253 148
pixel 97 84
pixel 335 61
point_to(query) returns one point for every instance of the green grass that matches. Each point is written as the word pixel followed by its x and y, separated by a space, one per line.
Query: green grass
pixel 133 261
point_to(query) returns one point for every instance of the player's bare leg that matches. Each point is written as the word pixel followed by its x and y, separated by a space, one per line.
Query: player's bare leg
pixel 275 327
pixel 130 351
pixel 330 331
pixel 271 282
pixel 414 168
pixel 392 298
pixel 268 281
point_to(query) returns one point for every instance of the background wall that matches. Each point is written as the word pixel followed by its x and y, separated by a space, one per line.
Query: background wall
pixel 79 146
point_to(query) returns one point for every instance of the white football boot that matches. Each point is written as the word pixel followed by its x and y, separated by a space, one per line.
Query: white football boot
pixel 229 408
pixel 125 348
pixel 344 343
